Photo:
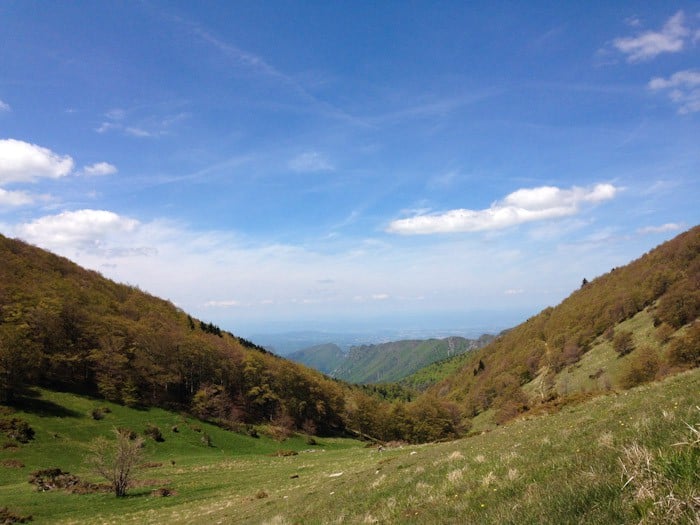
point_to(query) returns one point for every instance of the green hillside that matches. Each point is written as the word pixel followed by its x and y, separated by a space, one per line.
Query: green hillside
pixel 387 362
pixel 324 358
pixel 576 347
pixel 624 457
pixel 66 328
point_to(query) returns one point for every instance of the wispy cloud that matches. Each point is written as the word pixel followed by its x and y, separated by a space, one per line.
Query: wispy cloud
pixel 119 120
pixel 668 227
pixel 649 44
pixel 521 206
pixel 14 198
pixel 226 303
pixel 100 169
pixel 683 89
pixel 4 106
pixel 310 161
pixel 24 162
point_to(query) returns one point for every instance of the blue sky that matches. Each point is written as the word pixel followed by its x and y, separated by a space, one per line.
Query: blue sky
pixel 281 165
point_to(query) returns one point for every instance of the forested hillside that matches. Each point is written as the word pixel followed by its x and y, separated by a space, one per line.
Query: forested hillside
pixel 64 327
pixel 387 362
pixel 68 328
pixel 324 358
pixel 640 320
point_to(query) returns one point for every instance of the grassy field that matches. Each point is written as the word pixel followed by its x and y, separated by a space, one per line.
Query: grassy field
pixel 621 458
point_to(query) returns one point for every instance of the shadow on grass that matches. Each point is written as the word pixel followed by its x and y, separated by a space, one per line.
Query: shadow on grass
pixel 43 408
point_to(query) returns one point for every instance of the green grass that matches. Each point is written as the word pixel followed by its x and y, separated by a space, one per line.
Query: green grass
pixel 568 467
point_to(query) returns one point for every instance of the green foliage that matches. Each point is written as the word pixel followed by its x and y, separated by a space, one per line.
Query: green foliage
pixel 567 467
pixel 325 358
pixel 387 362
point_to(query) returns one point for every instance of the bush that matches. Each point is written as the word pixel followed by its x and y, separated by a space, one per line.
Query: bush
pixel 685 350
pixel 17 429
pixel 98 413
pixel 154 433
pixel 623 343
pixel 127 433
pixel 642 370
pixel 10 517
pixel 53 479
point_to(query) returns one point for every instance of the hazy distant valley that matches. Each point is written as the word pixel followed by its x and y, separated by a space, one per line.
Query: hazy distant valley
pixel 386 361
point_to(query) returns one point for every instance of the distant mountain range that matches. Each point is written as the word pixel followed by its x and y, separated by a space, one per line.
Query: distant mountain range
pixel 384 362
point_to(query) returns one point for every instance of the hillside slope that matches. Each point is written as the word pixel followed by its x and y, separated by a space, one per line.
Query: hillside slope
pixel 65 327
pixel 324 358
pixel 652 303
pixel 387 362
pixel 618 458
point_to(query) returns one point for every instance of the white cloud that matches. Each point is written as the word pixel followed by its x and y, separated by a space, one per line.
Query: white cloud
pixel 310 161
pixel 668 227
pixel 514 291
pixel 100 168
pixel 524 205
pixel 380 297
pixel 649 44
pixel 222 304
pixel 137 132
pixel 81 229
pixel 14 198
pixel 683 89
pixel 4 106
pixel 24 162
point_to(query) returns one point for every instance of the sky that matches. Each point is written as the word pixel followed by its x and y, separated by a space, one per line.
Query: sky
pixel 281 165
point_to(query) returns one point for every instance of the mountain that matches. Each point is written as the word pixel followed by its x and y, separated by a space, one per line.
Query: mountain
pixel 67 328
pixel 324 358
pixel 388 362
pixel 631 325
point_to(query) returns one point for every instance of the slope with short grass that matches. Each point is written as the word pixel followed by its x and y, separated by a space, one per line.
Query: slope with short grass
pixel 624 457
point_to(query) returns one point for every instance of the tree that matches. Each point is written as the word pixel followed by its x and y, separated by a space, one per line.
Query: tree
pixel 116 460
pixel 19 358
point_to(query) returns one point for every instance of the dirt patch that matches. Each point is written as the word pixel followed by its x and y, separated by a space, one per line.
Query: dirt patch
pixel 12 463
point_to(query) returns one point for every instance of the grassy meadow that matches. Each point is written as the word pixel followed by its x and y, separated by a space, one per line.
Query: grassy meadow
pixel 624 457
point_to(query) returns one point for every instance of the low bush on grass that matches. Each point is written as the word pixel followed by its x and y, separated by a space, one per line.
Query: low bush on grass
pixel 8 517
pixel 17 429
pixel 154 433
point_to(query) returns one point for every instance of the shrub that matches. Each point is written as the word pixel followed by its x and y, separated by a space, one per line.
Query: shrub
pixel 685 350
pixel 98 413
pixel 643 369
pixel 127 433
pixel 154 433
pixel 17 429
pixel 6 516
pixel 623 343
pixel 53 479
pixel 664 332
pixel 116 461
